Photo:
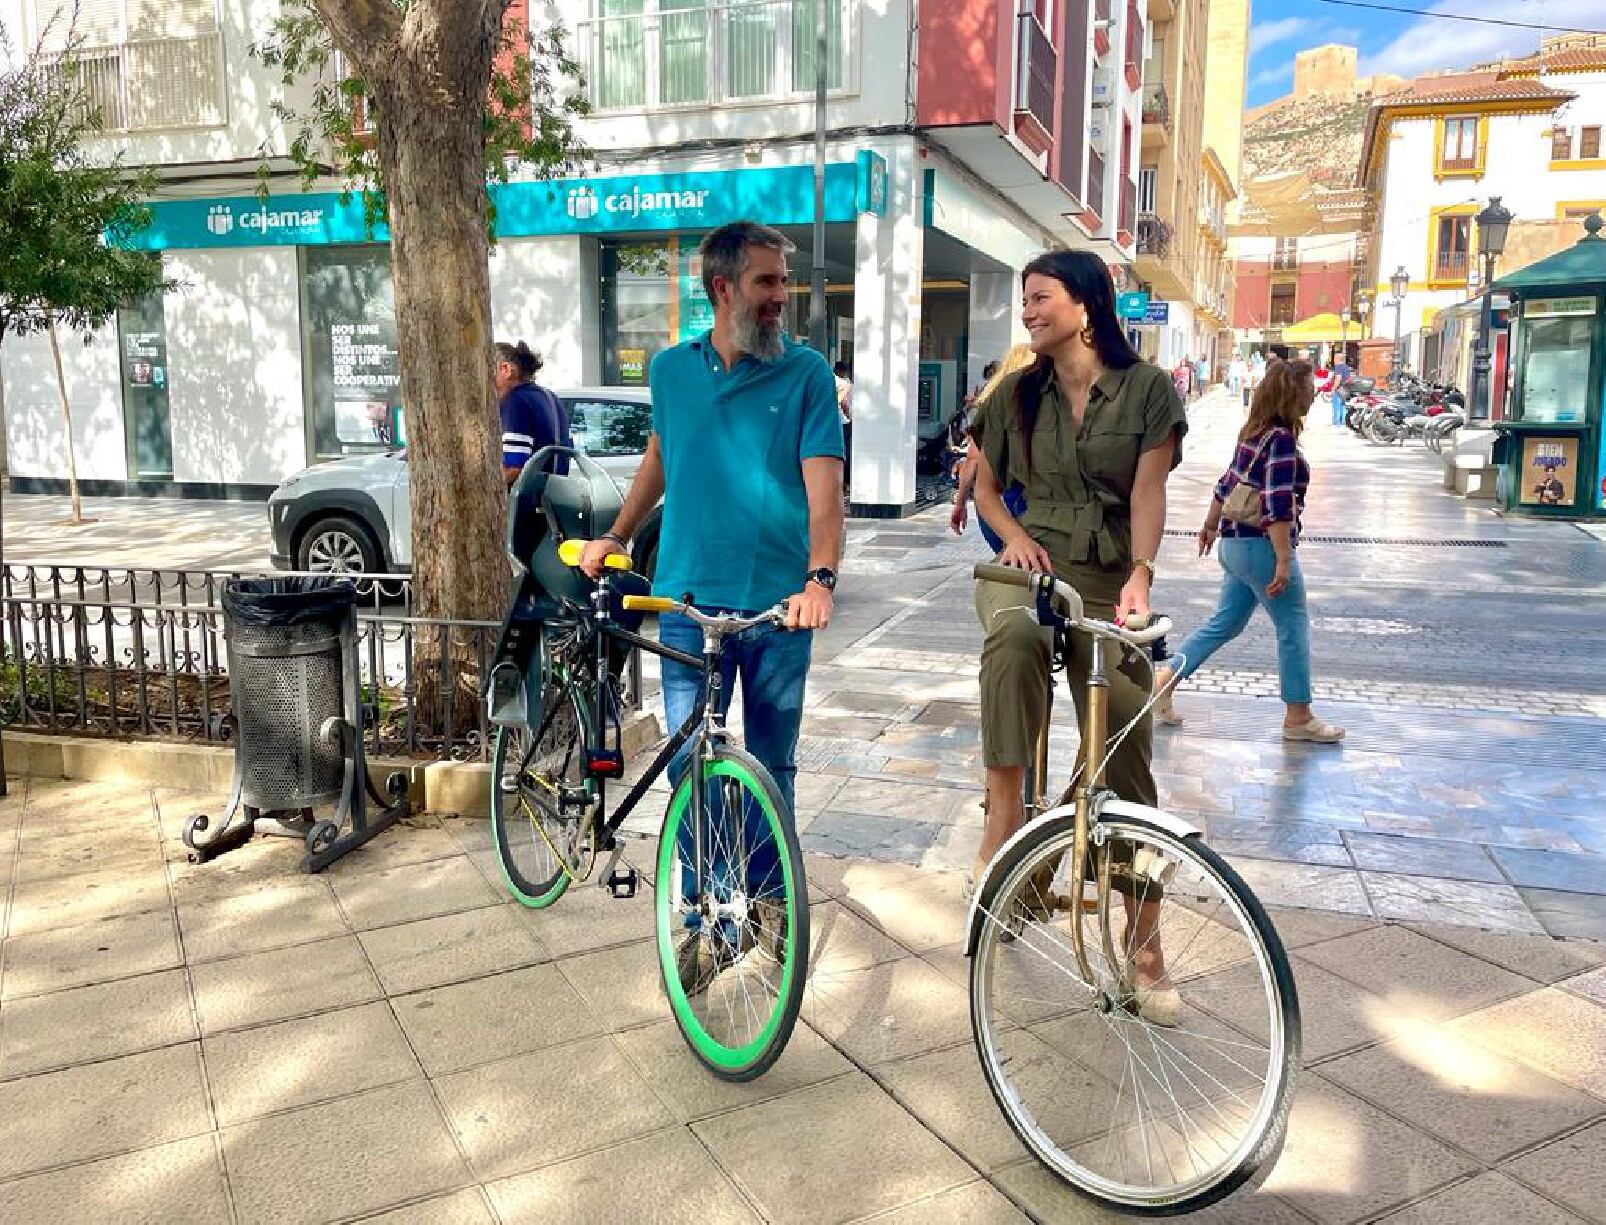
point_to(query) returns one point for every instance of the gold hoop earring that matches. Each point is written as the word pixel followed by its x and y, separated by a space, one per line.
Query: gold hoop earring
pixel 1087 335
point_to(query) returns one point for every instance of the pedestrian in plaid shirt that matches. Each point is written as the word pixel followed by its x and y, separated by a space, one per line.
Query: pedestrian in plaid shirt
pixel 1260 564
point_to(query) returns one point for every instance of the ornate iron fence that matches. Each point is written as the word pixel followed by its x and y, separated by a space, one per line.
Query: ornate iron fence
pixel 116 652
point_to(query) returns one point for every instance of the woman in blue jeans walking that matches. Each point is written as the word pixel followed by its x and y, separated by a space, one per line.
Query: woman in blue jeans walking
pixel 1260 564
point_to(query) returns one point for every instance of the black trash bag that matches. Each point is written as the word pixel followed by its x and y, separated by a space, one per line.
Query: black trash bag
pixel 278 602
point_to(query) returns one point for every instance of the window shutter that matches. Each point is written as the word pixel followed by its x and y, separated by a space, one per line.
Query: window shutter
pixel 170 18
pixel 100 23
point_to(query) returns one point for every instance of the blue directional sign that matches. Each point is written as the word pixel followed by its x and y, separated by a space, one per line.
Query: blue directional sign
pixel 1132 305
pixel 1157 312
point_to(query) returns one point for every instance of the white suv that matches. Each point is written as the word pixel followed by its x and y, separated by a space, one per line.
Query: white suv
pixel 355 514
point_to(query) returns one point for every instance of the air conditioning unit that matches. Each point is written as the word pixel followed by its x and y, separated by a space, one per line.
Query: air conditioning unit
pixel 1103 87
pixel 1098 133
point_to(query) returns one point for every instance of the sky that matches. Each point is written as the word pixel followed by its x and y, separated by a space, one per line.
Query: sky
pixel 1403 44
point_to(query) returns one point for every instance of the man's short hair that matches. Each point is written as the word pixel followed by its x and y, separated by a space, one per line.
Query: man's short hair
pixel 724 251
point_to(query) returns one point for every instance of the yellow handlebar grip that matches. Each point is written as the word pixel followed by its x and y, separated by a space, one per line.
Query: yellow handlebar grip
pixel 648 603
pixel 570 551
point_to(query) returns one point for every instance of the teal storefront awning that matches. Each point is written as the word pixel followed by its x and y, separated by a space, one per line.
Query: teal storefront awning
pixel 618 204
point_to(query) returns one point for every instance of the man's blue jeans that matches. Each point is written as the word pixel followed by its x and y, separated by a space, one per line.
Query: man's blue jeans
pixel 1248 563
pixel 1338 409
pixel 773 665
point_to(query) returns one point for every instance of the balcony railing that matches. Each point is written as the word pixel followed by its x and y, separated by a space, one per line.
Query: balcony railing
pixel 1095 182
pixel 1134 45
pixel 1156 105
pixel 1285 261
pixel 153 84
pixel 721 51
pixel 1153 235
pixel 1450 266
pixel 1036 65
pixel 1129 206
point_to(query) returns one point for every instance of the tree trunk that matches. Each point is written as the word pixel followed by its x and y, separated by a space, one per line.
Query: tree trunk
pixel 66 425
pixel 429 74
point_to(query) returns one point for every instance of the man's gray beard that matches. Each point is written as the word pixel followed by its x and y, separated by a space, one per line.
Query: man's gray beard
pixel 764 341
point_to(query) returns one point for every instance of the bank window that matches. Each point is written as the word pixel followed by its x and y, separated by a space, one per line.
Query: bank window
pixel 645 54
pixel 142 355
pixel 1459 149
pixel 350 363
pixel 144 64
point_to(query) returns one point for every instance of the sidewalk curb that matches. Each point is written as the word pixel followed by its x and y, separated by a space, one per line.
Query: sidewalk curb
pixel 461 787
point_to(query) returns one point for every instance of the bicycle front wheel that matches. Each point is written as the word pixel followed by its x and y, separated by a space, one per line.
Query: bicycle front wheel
pixel 732 917
pixel 539 841
pixel 1146 1101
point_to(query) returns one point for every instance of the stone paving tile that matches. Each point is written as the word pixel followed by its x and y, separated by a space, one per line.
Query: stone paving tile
pixel 63 957
pixel 1540 958
pixel 1304 885
pixel 1571 1171
pixel 1592 984
pixel 1052 1202
pixel 411 840
pixel 943 1090
pixel 622 985
pixel 841 941
pixel 271 917
pixel 40 905
pixel 879 1157
pixel 465 1207
pixel 464 1024
pixel 1301 927
pixel 885 838
pixel 450 948
pixel 1345 1160
pixel 668 1176
pixel 526 1112
pixel 1295 841
pixel 1553 870
pixel 343 1158
pixel 1569 915
pixel 182 1181
pixel 908 801
pixel 284 983
pixel 414 891
pixel 1488 1197
pixel 100 1109
pixel 1549 1029
pixel 977 1202
pixel 1416 974
pixel 99 1022
pixel 262 1071
pixel 1422 857
pixel 77 856
pixel 659 1053
pixel 1498 907
pixel 888 1011
pixel 587 918
pixel 1467 1095
pixel 920 908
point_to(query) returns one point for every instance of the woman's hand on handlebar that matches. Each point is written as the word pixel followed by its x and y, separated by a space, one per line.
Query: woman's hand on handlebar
pixel 1024 553
pixel 596 554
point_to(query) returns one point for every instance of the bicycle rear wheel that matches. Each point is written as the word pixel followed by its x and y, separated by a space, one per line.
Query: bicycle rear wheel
pixel 1142 1116
pixel 538 841
pixel 732 924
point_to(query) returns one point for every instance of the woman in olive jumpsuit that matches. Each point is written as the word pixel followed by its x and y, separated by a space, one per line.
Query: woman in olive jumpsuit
pixel 1091 431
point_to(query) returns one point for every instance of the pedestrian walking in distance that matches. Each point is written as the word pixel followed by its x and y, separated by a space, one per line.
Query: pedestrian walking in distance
pixel 1259 558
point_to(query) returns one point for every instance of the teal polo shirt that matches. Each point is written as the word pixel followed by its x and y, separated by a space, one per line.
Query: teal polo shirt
pixel 736 515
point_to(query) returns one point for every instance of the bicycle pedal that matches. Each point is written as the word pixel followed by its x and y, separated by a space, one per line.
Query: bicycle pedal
pixel 622 885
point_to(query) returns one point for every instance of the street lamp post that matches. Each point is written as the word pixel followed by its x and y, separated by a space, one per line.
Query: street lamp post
pixel 1399 283
pixel 1343 331
pixel 1493 222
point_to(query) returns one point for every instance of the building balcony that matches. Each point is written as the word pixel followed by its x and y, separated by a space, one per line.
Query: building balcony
pixel 1161 10
pixel 1036 66
pixel 1126 214
pixel 154 84
pixel 1285 261
pixel 721 51
pixel 1156 115
pixel 1451 266
pixel 1133 60
pixel 1153 236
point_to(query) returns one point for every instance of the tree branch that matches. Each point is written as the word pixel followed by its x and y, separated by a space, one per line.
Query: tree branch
pixel 362 28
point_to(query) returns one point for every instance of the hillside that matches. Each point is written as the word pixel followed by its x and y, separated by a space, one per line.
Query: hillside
pixel 1319 135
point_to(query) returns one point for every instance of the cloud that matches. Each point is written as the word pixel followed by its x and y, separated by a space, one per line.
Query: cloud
pixel 1430 43
pixel 1279 75
pixel 1267 33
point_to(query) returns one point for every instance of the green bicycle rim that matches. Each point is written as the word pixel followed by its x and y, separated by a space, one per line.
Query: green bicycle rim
pixel 534 901
pixel 729 1058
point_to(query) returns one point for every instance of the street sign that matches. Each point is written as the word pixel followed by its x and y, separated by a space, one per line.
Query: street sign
pixel 1157 312
pixel 1132 305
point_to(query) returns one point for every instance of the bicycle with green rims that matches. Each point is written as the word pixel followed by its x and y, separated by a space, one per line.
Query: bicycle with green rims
pixel 1131 1003
pixel 731 904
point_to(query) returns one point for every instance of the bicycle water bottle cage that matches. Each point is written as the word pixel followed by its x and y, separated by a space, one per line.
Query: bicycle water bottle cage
pixel 605 763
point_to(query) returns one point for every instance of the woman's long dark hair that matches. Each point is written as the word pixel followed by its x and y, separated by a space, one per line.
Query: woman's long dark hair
pixel 1087 281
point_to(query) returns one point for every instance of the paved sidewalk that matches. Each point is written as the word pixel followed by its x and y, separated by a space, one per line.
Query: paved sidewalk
pixel 395 1040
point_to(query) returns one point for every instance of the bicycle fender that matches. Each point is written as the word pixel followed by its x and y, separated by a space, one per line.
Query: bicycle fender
pixel 1171 823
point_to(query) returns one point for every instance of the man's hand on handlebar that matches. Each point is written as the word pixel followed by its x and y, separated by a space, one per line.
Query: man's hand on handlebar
pixel 1024 553
pixel 809 609
pixel 596 553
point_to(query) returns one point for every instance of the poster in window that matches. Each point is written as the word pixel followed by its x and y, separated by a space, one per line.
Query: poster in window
pixel 1549 471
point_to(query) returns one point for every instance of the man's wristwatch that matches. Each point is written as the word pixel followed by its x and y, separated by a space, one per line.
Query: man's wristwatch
pixel 824 576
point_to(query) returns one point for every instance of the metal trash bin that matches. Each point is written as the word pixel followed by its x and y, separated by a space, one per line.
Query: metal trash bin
pixel 296 692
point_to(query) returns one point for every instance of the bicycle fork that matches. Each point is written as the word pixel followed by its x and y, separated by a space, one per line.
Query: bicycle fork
pixel 1094 732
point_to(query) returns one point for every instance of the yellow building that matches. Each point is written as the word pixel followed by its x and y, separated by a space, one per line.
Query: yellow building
pixel 1169 241
pixel 1226 76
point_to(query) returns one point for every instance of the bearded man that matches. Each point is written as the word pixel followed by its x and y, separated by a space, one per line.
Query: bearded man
pixel 746 452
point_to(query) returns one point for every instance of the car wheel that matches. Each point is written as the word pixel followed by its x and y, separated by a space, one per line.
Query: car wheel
pixel 339 545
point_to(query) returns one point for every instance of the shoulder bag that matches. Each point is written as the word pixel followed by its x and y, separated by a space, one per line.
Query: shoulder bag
pixel 1243 504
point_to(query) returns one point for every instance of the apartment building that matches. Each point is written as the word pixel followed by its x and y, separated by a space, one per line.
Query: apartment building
pixel 1528 131
pixel 1171 243
pixel 964 137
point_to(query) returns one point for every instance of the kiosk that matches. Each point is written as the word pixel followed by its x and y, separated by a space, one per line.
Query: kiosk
pixel 1550 450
